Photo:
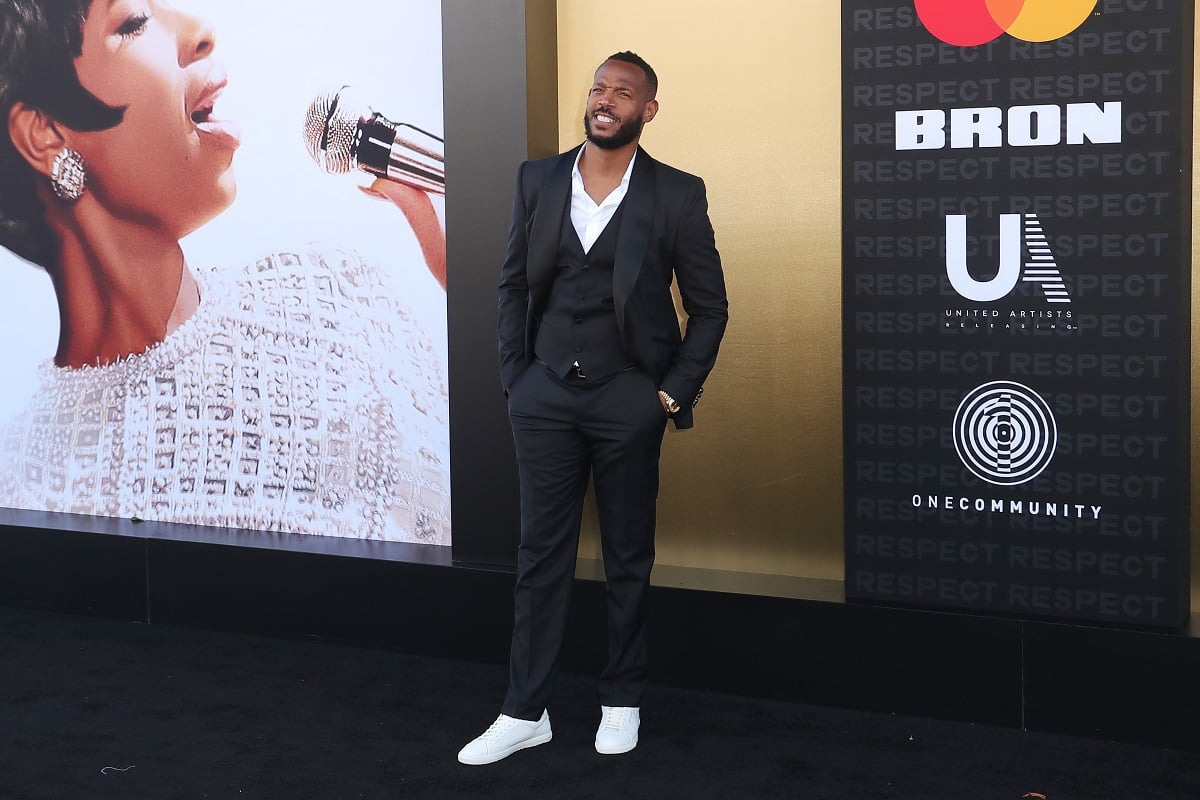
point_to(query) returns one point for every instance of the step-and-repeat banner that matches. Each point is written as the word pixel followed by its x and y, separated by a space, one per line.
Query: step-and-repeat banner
pixel 1016 285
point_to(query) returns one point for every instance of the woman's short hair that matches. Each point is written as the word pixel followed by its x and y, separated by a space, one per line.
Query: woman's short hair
pixel 39 42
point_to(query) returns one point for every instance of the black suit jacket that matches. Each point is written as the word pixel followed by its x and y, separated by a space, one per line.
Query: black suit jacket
pixel 665 232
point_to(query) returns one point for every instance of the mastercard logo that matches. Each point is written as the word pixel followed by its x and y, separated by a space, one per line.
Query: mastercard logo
pixel 967 23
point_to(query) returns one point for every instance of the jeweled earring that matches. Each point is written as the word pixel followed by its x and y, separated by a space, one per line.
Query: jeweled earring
pixel 67 175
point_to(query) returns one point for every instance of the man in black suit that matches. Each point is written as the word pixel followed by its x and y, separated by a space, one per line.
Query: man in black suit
pixel 593 365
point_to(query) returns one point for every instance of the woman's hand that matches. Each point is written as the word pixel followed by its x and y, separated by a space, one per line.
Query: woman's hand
pixel 418 210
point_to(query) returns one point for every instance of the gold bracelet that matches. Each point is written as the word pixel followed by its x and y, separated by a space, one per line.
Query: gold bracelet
pixel 672 406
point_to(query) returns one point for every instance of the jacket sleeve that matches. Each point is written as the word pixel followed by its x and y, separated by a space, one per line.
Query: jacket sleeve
pixel 702 289
pixel 513 306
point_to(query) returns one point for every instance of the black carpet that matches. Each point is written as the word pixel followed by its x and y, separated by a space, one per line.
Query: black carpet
pixel 93 709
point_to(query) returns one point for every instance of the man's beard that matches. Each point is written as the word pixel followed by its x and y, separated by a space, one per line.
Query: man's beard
pixel 628 132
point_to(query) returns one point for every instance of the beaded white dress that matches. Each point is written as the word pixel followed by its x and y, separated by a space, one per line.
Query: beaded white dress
pixel 301 396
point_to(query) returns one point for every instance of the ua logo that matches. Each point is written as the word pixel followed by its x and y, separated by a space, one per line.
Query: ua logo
pixel 1039 270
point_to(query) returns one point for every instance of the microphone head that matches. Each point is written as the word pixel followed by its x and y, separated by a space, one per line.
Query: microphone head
pixel 330 129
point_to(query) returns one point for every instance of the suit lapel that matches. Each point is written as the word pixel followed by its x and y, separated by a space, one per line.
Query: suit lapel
pixel 634 233
pixel 553 202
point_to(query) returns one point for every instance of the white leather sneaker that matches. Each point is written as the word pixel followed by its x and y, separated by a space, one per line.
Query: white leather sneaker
pixel 618 731
pixel 504 737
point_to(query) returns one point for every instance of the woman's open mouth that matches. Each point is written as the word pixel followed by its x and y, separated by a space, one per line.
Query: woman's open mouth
pixel 204 117
pixel 204 113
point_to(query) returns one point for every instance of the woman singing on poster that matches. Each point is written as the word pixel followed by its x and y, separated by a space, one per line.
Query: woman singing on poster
pixel 296 393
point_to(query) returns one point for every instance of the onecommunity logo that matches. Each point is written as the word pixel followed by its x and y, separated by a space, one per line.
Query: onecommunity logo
pixel 966 23
pixel 1005 433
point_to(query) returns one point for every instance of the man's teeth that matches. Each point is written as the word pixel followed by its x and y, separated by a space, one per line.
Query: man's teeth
pixel 605 118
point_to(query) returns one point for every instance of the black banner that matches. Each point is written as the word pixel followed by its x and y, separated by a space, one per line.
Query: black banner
pixel 1016 280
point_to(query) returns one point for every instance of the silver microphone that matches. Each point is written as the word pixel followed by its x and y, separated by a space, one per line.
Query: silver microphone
pixel 343 133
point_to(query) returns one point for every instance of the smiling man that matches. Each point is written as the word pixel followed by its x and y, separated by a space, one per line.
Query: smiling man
pixel 593 363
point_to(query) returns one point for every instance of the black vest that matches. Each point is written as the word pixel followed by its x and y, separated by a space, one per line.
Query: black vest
pixel 579 321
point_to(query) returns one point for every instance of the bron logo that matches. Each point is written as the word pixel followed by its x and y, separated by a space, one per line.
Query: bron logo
pixel 1004 433
pixel 1040 270
pixel 966 23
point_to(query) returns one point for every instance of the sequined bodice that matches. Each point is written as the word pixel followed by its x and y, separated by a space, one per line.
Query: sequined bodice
pixel 302 396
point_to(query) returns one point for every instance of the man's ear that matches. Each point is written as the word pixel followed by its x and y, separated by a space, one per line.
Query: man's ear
pixel 650 111
pixel 36 136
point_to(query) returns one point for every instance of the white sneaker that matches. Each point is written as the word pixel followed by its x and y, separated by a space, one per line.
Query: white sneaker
pixel 506 736
pixel 618 731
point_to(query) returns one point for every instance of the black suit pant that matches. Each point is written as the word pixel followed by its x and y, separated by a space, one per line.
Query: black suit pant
pixel 564 430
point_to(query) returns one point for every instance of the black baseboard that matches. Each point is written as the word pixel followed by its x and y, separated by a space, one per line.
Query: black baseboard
pixel 1116 684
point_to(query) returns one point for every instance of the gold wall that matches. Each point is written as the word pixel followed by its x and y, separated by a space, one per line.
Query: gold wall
pixel 751 102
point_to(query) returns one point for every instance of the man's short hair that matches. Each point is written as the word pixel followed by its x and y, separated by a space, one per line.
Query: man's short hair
pixel 630 57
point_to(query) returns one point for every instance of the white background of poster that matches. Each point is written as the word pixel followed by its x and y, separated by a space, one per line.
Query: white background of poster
pixel 279 56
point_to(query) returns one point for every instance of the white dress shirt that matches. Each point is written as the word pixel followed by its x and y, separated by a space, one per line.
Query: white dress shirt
pixel 588 217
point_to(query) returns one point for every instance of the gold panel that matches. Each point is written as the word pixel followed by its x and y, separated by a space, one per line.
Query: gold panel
pixel 751 103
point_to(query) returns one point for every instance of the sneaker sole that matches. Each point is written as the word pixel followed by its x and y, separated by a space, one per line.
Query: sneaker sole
pixel 615 751
pixel 492 758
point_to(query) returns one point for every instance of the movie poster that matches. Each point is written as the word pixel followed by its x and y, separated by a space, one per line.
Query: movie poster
pixel 301 387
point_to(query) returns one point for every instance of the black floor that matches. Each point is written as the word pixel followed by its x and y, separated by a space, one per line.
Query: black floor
pixel 94 709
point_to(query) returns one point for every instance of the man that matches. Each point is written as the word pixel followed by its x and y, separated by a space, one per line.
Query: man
pixel 593 365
